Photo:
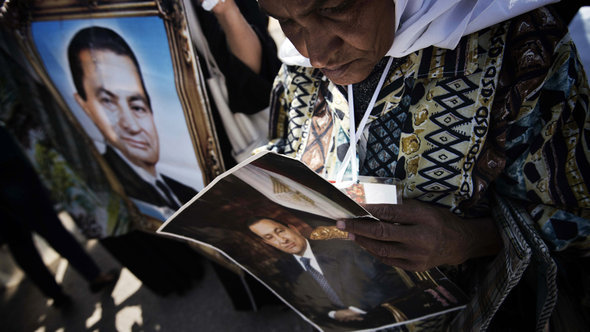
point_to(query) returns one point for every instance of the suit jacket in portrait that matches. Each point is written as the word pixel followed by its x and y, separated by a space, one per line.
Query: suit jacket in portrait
pixel 136 187
pixel 356 276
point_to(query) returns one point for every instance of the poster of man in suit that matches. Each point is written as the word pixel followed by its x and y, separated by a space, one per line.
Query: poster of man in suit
pixel 120 86
pixel 282 235
pixel 339 284
pixel 324 285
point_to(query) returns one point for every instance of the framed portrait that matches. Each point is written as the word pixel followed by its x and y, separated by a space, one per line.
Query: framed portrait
pixel 126 75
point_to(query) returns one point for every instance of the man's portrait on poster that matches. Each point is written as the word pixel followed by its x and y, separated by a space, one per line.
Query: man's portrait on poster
pixel 270 229
pixel 334 281
pixel 115 84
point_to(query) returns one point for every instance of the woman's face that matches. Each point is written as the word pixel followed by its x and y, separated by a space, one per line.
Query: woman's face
pixel 345 39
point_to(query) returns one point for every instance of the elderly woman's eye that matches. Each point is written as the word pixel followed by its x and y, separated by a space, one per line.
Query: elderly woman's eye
pixel 329 10
pixel 335 10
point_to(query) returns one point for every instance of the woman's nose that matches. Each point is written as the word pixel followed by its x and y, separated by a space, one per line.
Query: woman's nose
pixel 321 45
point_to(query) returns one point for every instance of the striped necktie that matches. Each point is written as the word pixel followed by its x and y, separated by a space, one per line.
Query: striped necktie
pixel 321 280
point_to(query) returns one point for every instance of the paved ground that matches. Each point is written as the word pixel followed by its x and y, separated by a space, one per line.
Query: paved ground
pixel 130 306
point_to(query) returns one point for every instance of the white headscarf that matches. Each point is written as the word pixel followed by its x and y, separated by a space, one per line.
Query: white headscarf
pixel 442 23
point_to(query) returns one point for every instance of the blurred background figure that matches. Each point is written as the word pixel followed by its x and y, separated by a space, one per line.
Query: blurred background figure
pixel 239 61
pixel 25 207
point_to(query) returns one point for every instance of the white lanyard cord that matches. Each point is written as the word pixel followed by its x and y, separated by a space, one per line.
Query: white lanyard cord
pixel 354 138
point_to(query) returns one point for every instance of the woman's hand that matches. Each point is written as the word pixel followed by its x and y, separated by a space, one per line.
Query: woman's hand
pixel 416 236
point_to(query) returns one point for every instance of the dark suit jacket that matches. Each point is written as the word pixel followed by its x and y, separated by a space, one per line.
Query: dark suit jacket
pixel 137 188
pixel 356 276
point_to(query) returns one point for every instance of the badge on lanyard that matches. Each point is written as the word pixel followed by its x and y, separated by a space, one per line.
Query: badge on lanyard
pixel 373 190
pixel 365 189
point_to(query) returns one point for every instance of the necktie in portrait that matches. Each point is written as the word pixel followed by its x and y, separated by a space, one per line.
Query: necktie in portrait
pixel 322 281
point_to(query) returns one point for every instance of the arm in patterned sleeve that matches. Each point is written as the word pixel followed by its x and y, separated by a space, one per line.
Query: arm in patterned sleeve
pixel 537 156
pixel 547 138
pixel 280 124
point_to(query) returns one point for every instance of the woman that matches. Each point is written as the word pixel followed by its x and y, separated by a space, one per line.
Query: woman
pixel 481 113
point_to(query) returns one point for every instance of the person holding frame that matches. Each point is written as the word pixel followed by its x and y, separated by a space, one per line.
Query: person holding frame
pixel 239 61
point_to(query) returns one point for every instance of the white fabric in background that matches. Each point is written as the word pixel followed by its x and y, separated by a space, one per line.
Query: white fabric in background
pixel 245 132
pixel 442 23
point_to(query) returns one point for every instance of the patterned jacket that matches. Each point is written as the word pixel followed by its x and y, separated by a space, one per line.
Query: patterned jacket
pixel 498 126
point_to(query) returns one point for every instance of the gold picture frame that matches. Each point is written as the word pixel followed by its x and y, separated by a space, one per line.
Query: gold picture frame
pixel 157 34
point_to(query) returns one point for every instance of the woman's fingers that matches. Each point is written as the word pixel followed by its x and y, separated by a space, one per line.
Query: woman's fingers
pixel 373 229
pixel 396 252
pixel 396 213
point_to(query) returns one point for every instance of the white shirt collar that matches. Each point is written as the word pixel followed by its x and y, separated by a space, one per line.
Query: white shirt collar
pixel 308 253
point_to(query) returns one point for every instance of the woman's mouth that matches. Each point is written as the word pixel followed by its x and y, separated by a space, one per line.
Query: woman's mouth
pixel 335 72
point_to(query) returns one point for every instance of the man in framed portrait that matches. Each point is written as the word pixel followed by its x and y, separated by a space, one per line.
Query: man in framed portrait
pixel 336 282
pixel 111 91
